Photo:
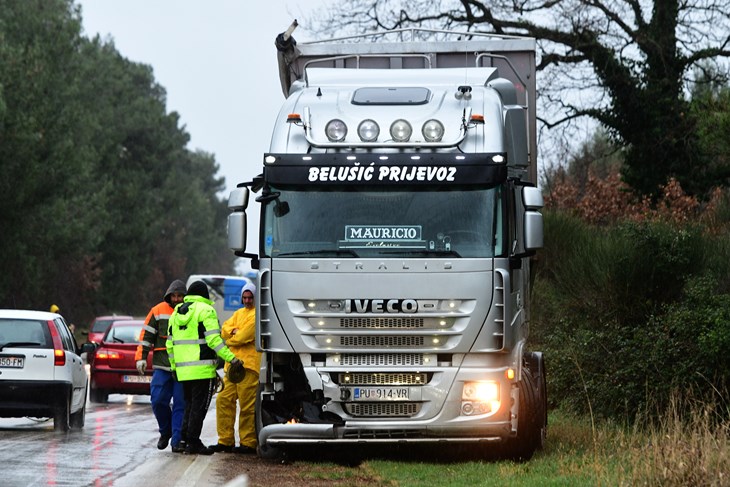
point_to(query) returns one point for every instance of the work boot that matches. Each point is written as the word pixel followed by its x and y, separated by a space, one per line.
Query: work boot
pixel 220 448
pixel 163 442
pixel 179 448
pixel 244 450
pixel 198 449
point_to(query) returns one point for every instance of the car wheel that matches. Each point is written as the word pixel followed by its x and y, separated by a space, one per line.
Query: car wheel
pixel 99 395
pixel 61 419
pixel 79 417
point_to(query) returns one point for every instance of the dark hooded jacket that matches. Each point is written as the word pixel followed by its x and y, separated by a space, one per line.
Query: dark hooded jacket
pixel 154 333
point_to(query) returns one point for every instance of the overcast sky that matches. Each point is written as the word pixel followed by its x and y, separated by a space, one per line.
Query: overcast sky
pixel 217 61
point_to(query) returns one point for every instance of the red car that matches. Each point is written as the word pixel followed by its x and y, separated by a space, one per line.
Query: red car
pixel 114 370
pixel 101 324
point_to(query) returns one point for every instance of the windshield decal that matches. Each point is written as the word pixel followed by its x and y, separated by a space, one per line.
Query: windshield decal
pixel 362 236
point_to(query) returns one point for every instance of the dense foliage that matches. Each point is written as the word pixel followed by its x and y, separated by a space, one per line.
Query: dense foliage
pixel 632 301
pixel 101 202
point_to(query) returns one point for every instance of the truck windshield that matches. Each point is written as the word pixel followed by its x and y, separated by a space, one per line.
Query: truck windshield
pixel 357 223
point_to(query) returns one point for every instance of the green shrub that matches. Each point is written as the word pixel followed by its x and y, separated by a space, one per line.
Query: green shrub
pixel 627 313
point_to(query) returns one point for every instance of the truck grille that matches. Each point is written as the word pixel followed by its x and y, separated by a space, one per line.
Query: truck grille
pixel 385 379
pixel 382 359
pixel 381 341
pixel 386 323
pixel 383 409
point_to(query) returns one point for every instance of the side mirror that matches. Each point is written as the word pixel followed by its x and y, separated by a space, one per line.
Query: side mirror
pixel 238 199
pixel 533 228
pixel 237 231
pixel 533 231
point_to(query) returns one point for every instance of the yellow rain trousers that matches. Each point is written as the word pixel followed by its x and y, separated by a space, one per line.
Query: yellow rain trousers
pixel 225 410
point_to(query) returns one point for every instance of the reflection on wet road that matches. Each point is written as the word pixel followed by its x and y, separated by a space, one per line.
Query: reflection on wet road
pixel 117 446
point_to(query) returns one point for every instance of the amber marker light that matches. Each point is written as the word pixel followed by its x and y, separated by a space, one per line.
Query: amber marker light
pixel 477 119
pixel 293 118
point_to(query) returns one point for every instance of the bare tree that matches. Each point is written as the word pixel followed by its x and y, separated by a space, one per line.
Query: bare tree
pixel 622 63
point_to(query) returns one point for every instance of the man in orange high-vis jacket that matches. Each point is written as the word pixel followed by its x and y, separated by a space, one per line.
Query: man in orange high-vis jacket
pixel 164 387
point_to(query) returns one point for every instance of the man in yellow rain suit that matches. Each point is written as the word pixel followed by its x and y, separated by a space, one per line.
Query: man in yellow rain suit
pixel 239 333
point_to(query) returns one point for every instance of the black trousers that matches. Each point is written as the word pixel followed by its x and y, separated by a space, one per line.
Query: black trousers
pixel 198 394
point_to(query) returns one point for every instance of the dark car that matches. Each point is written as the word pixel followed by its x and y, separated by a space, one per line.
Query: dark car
pixel 101 324
pixel 113 369
pixel 41 372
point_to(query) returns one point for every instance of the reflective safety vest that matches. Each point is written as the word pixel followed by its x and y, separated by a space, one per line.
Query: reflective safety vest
pixel 194 340
pixel 154 336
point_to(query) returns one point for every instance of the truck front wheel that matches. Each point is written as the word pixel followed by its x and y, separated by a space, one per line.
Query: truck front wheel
pixel 532 413
pixel 263 418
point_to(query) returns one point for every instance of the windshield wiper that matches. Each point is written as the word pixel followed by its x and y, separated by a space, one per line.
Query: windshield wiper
pixel 322 251
pixel 426 252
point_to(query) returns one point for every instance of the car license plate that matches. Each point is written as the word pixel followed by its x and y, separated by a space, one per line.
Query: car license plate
pixel 12 362
pixel 137 378
pixel 380 393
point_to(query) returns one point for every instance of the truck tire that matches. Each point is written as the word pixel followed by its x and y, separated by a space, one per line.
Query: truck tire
pixel 532 413
pixel 267 452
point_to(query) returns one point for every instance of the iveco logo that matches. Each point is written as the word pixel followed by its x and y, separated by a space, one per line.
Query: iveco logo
pixel 381 306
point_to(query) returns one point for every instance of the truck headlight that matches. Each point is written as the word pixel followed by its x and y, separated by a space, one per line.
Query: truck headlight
pixel 368 130
pixel 336 130
pixel 433 130
pixel 479 397
pixel 401 130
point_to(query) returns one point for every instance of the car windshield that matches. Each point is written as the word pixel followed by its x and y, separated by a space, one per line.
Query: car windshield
pixel 352 223
pixel 100 326
pixel 124 334
pixel 28 333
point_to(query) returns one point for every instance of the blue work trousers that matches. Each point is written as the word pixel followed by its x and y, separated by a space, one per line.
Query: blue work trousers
pixel 169 418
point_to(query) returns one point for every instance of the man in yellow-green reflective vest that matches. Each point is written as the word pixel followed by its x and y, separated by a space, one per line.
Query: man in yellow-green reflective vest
pixel 194 344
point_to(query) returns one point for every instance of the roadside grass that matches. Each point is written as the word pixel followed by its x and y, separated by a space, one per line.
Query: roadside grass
pixel 690 446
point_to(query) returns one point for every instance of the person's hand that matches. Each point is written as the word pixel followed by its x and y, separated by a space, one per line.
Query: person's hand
pixel 141 366
pixel 236 360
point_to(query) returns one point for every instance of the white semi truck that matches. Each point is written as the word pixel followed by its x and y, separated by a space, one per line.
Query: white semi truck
pixel 399 215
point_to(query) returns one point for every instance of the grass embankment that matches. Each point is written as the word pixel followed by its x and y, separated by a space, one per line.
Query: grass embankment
pixel 676 452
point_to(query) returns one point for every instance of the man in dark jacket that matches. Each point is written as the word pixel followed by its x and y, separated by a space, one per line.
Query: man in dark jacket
pixel 194 344
pixel 164 387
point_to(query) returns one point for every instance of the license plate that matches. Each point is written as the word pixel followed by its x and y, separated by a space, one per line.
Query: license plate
pixel 380 393
pixel 12 362
pixel 137 378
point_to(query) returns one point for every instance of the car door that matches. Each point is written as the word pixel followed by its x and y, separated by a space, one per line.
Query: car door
pixel 75 365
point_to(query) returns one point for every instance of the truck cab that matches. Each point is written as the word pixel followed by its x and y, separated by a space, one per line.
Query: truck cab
pixel 399 215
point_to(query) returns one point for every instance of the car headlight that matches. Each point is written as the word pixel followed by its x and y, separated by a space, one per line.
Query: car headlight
pixel 368 130
pixel 336 130
pixel 401 130
pixel 433 130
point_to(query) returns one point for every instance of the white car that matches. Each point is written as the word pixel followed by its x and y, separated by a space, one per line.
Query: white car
pixel 41 372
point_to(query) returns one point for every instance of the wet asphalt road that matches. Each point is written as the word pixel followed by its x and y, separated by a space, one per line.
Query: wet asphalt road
pixel 116 447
